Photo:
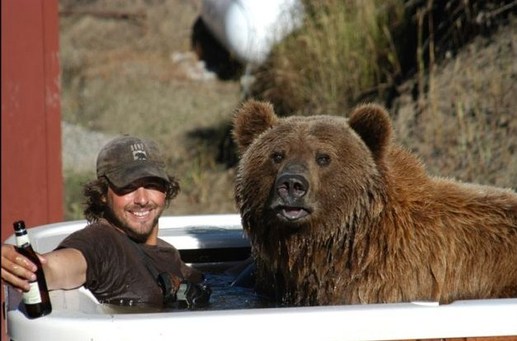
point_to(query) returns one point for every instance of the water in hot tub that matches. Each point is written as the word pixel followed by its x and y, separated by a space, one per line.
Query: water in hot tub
pixel 224 295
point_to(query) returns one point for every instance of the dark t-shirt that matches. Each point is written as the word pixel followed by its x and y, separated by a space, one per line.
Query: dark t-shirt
pixel 116 272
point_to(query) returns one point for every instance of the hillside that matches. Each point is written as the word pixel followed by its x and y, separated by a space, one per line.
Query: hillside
pixel 128 67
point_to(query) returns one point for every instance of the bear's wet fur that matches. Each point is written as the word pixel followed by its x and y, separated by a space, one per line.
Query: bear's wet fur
pixel 339 213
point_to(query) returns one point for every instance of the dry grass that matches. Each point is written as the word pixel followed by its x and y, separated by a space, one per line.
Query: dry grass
pixel 343 51
pixel 463 125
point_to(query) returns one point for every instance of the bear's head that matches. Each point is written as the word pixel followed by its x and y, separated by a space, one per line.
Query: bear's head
pixel 306 173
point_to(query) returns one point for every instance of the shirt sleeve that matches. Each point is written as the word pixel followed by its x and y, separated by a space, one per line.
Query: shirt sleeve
pixel 101 250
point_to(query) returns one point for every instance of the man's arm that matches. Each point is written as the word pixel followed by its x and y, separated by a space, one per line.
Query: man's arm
pixel 64 268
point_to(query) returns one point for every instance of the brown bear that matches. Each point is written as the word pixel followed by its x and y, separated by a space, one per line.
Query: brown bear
pixel 337 213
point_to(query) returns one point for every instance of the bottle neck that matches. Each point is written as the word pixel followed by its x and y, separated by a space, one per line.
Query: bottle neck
pixel 22 238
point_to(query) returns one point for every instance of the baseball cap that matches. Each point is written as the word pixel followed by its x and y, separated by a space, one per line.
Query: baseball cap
pixel 127 158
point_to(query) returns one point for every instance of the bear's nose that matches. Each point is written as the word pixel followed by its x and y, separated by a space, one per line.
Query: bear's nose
pixel 291 186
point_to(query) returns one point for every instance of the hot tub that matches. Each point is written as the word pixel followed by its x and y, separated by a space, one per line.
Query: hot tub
pixel 220 239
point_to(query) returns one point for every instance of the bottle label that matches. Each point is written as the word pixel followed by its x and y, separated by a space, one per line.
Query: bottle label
pixel 22 240
pixel 33 296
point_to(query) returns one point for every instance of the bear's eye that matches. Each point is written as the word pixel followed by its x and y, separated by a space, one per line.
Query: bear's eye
pixel 322 159
pixel 277 157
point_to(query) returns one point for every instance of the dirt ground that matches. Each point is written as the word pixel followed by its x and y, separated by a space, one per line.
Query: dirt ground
pixel 128 67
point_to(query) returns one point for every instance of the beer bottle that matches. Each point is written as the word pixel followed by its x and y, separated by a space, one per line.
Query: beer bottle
pixel 36 300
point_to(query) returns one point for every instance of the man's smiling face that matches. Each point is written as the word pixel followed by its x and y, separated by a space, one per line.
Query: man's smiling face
pixel 136 208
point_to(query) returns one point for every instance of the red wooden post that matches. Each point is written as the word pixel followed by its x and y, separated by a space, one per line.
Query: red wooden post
pixel 32 182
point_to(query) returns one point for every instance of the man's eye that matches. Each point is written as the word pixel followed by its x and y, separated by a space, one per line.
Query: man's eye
pixel 147 184
pixel 157 187
pixel 124 190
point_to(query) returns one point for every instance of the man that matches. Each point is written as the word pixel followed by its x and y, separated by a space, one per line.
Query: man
pixel 118 255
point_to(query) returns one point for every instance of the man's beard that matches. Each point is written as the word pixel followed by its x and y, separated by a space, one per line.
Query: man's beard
pixel 131 233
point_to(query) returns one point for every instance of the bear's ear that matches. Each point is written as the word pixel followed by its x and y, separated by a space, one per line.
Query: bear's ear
pixel 372 123
pixel 251 119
